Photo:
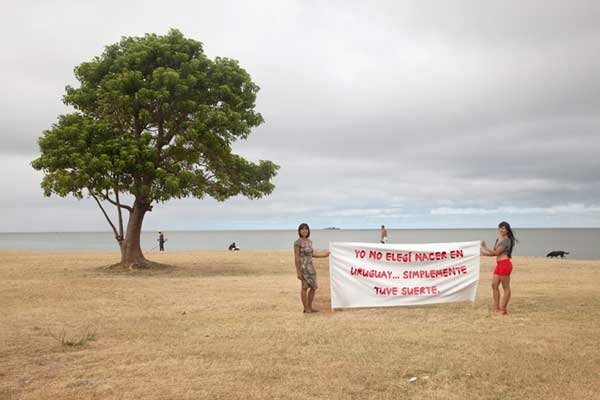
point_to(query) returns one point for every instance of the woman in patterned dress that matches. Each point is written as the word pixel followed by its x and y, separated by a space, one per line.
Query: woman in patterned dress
pixel 303 255
pixel 503 252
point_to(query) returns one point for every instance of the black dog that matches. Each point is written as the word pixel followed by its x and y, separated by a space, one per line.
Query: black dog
pixel 557 253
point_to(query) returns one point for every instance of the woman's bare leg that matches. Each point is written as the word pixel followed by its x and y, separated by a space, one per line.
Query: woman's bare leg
pixel 506 288
pixel 496 291
pixel 311 297
pixel 304 299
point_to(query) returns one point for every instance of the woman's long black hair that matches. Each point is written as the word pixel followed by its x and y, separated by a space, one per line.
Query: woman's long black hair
pixel 511 236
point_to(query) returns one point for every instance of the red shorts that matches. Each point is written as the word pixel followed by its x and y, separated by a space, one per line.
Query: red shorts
pixel 503 267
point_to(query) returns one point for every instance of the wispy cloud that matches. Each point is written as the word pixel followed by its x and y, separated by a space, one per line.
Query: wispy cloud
pixel 554 210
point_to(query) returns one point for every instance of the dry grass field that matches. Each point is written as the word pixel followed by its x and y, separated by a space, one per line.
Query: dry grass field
pixel 229 325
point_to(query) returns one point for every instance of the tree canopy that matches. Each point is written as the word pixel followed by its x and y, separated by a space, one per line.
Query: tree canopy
pixel 155 118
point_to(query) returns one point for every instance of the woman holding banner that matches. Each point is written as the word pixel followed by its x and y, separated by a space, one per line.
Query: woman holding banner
pixel 503 252
pixel 303 255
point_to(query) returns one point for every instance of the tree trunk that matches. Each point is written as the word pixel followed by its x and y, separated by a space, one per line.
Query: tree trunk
pixel 131 251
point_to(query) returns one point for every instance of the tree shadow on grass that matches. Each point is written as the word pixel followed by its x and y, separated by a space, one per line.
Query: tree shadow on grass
pixel 149 268
pixel 190 270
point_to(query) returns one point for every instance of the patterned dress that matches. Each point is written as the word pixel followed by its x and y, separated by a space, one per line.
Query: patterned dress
pixel 309 275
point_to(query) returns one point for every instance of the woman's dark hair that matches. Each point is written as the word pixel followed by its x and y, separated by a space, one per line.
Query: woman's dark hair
pixel 511 236
pixel 303 225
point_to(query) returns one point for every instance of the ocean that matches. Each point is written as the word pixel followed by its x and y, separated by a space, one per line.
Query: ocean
pixel 582 243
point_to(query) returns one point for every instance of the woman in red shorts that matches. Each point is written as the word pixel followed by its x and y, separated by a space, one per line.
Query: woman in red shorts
pixel 503 252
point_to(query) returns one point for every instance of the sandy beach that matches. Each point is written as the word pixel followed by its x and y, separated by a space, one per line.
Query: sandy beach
pixel 229 325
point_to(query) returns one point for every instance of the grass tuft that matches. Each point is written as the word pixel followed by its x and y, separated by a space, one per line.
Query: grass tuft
pixel 89 335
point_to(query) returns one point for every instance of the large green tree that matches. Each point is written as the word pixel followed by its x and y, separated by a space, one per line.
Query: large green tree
pixel 154 119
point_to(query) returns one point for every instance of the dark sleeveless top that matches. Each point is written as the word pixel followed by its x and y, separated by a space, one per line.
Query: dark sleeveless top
pixel 507 243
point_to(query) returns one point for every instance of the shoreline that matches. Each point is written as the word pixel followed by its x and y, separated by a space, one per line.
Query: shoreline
pixel 178 253
pixel 580 243
pixel 153 231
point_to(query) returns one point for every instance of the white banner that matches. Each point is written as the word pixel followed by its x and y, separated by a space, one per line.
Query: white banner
pixel 380 275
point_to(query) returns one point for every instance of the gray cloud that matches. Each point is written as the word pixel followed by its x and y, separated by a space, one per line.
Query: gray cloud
pixel 419 113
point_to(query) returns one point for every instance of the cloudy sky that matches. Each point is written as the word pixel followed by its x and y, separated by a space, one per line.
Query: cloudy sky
pixel 412 114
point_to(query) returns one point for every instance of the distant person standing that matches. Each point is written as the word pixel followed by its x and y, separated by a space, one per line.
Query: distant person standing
pixel 161 241
pixel 305 270
pixel 503 252
pixel 383 235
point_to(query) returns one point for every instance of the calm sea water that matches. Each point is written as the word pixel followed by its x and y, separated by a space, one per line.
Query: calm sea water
pixel 583 244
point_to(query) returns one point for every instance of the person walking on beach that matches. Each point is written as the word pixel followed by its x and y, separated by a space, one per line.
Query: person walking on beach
pixel 503 252
pixel 383 235
pixel 303 255
pixel 161 241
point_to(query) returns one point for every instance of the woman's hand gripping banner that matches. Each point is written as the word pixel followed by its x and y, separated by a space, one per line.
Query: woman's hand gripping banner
pixel 381 275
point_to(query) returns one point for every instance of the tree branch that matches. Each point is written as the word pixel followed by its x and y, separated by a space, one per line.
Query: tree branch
pixel 111 201
pixel 120 215
pixel 117 203
pixel 105 215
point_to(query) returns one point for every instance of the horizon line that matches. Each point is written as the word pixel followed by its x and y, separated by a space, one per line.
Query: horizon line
pixel 293 229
